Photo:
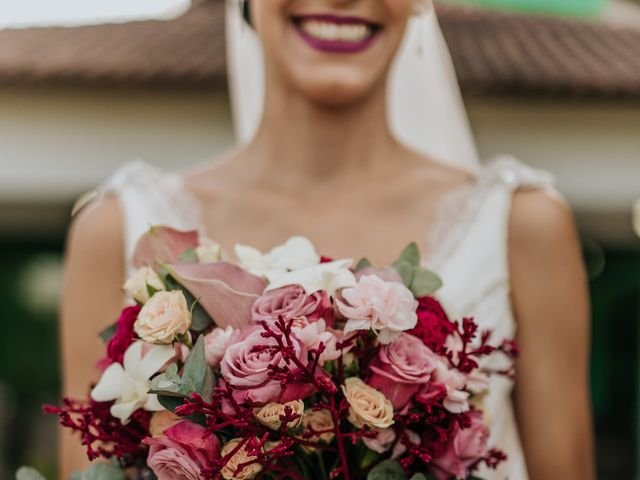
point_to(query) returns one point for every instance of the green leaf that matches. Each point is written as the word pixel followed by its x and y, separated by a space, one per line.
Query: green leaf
pixel 411 254
pixel 197 376
pixel 170 402
pixel 425 282
pixel 151 291
pixel 406 271
pixel 200 319
pixel 362 264
pixel 167 383
pixel 108 333
pixel 419 476
pixel 104 471
pixel 189 255
pixel 387 470
pixel 28 473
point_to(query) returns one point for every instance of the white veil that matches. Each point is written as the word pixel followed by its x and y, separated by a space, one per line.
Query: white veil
pixel 425 108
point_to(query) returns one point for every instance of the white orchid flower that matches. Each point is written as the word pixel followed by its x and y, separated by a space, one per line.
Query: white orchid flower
pixel 129 385
pixel 329 276
pixel 296 253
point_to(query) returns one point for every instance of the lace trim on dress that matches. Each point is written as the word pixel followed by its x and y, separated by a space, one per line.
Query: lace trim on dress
pixel 460 207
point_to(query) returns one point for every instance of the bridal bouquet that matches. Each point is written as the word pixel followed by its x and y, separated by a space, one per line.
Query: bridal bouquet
pixel 284 365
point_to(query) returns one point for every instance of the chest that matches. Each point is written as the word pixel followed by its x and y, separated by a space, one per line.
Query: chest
pixel 351 224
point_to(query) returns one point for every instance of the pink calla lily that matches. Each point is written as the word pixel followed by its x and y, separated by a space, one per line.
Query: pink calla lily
pixel 225 291
pixel 162 245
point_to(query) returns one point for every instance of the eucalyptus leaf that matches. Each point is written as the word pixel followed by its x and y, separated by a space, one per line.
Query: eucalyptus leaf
pixel 28 473
pixel 107 334
pixel 387 470
pixel 411 254
pixel 189 255
pixel 197 376
pixel 425 282
pixel 419 476
pixel 171 402
pixel 362 264
pixel 104 471
pixel 406 271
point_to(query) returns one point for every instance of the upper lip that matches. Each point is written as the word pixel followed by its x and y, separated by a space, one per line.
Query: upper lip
pixel 337 19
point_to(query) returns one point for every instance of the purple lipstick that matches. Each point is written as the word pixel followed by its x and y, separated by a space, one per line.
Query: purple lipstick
pixel 336 34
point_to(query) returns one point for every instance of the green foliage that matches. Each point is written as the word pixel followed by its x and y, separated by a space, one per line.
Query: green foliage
pixel 387 470
pixel 100 471
pixel 362 264
pixel 107 334
pixel 28 473
pixel 189 256
pixel 419 280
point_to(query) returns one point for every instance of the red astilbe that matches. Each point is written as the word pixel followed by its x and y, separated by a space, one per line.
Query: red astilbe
pixel 102 434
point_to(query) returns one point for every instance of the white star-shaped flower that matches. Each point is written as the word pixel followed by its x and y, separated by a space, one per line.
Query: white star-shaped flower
pixel 129 385
pixel 296 253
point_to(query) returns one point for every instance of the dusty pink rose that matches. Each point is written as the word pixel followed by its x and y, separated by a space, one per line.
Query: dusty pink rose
pixel 457 400
pixel 387 308
pixel 293 303
pixel 248 371
pixel 468 446
pixel 182 452
pixel 216 343
pixel 402 368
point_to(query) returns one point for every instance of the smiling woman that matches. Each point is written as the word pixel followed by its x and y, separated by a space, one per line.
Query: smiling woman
pixel 81 12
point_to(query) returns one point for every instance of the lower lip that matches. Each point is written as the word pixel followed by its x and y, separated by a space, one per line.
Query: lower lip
pixel 337 46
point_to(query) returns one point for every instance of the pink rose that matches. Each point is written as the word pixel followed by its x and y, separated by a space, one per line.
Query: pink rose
pixel 182 452
pixel 387 308
pixel 402 368
pixel 469 445
pixel 293 303
pixel 247 368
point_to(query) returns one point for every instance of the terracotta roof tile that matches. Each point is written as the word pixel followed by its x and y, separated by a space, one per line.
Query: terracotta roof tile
pixel 493 52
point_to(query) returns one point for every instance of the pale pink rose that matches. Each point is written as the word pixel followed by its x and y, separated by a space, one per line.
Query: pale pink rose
pixel 241 465
pixel 367 406
pixel 292 303
pixel 249 374
pixel 468 446
pixel 402 368
pixel 216 343
pixel 165 316
pixel 387 274
pixel 387 308
pixel 382 442
pixel 457 400
pixel 316 333
pixel 182 452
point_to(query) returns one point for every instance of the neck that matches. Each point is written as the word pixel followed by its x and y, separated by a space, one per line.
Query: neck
pixel 300 141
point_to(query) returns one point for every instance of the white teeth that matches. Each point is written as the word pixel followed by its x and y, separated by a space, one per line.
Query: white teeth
pixel 354 32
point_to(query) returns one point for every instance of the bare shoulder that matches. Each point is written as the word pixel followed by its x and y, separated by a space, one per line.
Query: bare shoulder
pixel 97 230
pixel 540 222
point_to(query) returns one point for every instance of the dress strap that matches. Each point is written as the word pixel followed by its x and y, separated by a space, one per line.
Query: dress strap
pixel 513 174
pixel 150 196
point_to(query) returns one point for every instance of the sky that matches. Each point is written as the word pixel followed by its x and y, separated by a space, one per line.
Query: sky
pixel 20 13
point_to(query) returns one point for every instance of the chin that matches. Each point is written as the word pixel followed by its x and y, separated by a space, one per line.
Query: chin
pixel 336 89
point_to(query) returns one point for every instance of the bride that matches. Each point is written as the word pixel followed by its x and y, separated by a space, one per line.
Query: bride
pixel 355 136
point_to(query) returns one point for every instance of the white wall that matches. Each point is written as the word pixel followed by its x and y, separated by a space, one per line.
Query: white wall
pixel 55 144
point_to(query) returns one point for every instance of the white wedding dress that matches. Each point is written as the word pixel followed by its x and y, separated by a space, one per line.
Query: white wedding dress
pixel 469 251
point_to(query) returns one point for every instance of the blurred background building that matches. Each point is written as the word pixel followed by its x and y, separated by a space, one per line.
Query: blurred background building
pixel 554 82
